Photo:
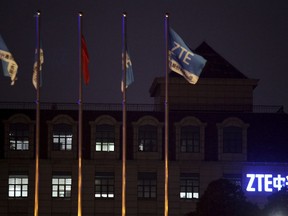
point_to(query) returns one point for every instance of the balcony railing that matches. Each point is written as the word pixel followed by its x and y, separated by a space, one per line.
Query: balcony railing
pixel 143 107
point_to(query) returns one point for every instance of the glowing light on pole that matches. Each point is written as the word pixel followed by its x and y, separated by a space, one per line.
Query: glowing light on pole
pixel 36 196
pixel 124 67
pixel 80 117
pixel 166 201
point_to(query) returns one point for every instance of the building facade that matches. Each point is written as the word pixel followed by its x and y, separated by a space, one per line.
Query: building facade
pixel 215 132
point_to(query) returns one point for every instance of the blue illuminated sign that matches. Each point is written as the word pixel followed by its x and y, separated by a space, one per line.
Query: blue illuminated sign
pixel 265 182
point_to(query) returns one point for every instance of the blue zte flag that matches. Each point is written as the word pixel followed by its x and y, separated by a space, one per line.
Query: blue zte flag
pixel 182 60
pixel 9 65
pixel 35 67
pixel 129 71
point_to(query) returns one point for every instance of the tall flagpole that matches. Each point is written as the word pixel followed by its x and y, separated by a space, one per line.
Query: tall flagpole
pixel 80 117
pixel 124 67
pixel 36 196
pixel 166 115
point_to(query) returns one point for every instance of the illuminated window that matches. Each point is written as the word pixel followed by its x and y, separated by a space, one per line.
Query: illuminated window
pixel 104 185
pixel 61 186
pixel 62 137
pixel 147 141
pixel 147 185
pixel 105 138
pixel 19 137
pixel 190 139
pixel 232 139
pixel 18 186
pixel 234 178
pixel 189 186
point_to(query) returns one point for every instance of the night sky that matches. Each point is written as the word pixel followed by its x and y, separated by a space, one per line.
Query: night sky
pixel 251 35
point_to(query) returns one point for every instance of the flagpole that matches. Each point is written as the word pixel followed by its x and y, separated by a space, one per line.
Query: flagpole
pixel 80 117
pixel 36 196
pixel 166 114
pixel 124 67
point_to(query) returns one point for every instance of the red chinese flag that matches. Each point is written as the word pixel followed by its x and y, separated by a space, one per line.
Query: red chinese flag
pixel 85 60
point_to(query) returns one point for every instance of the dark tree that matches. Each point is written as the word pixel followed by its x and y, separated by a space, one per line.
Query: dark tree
pixel 224 198
pixel 277 203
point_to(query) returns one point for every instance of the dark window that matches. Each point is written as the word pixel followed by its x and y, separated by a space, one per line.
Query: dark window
pixel 105 138
pixel 104 185
pixel 190 139
pixel 19 137
pixel 232 139
pixel 189 186
pixel 147 141
pixel 234 178
pixel 62 137
pixel 147 185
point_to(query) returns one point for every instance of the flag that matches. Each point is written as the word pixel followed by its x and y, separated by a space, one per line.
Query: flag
pixel 34 76
pixel 182 60
pixel 85 60
pixel 9 65
pixel 129 71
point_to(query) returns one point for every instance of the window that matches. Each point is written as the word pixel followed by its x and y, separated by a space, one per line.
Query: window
pixel 105 138
pixel 234 178
pixel 190 139
pixel 19 137
pixel 18 186
pixel 62 137
pixel 104 185
pixel 147 185
pixel 147 138
pixel 61 186
pixel 232 139
pixel 189 186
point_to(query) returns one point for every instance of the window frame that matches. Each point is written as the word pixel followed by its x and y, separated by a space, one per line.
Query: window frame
pixel 191 142
pixel 23 186
pixel 100 155
pixel 60 185
pixel 106 187
pixel 71 125
pixel 106 138
pixel 147 138
pixel 21 136
pixel 147 186
pixel 231 142
pixel 26 151
pixel 147 121
pixel 232 156
pixel 193 122
pixel 63 137
pixel 189 186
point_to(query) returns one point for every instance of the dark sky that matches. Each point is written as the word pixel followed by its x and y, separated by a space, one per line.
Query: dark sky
pixel 251 35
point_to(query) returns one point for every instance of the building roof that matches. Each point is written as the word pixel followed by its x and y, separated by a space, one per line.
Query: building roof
pixel 220 84
pixel 217 66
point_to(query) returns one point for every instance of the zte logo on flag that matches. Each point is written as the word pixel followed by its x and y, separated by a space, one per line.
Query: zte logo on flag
pixel 182 53
pixel 182 60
